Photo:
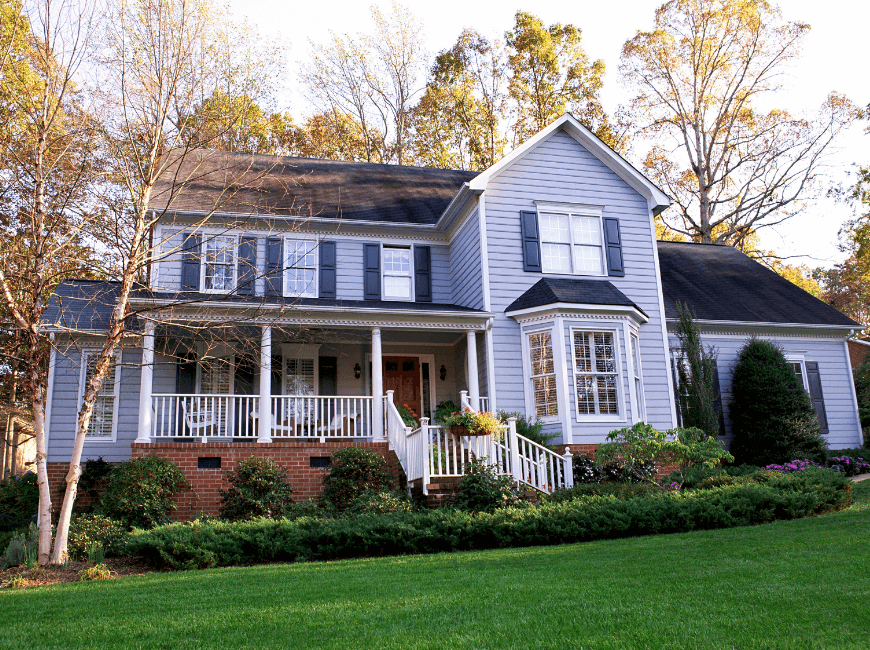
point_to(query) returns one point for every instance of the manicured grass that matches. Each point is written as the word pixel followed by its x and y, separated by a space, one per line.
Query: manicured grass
pixel 791 584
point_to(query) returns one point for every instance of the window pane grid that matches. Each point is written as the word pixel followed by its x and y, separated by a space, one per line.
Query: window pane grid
pixel 571 243
pixel 220 263
pixel 103 414
pixel 596 373
pixel 543 374
pixel 397 272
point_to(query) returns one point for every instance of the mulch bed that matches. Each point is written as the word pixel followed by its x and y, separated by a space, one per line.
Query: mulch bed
pixel 23 577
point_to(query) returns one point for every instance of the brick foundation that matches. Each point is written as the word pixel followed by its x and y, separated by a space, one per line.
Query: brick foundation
pixel 306 481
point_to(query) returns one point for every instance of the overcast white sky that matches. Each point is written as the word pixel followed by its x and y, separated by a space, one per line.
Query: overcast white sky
pixel 834 58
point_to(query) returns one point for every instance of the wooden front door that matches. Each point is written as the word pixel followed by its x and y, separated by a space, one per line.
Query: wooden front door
pixel 402 376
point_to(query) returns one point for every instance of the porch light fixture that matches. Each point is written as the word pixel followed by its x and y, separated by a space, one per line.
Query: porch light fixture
pixel 357 371
pixel 443 372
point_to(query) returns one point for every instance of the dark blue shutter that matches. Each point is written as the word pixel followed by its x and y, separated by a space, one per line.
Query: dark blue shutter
pixel 372 263
pixel 327 269
pixel 190 262
pixel 247 265
pixel 613 246
pixel 531 242
pixel 423 273
pixel 814 379
pixel 274 266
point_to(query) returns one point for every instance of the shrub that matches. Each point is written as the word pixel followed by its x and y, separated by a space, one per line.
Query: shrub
pixel 257 488
pixel 771 413
pixel 97 572
pixel 861 375
pixel 19 501
pixel 379 502
pixel 352 471
pixel 443 409
pixel 696 374
pixel 849 465
pixel 22 548
pixel 408 418
pixel 617 490
pixel 585 469
pixel 793 466
pixel 89 530
pixel 94 475
pixel 481 489
pixel 717 481
pixel 528 428
pixel 218 543
pixel 140 491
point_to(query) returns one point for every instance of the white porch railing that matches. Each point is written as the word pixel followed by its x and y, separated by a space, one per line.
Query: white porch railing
pixel 465 402
pixel 446 455
pixel 484 404
pixel 396 430
pixel 202 416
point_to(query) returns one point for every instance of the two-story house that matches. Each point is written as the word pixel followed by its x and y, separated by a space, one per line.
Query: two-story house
pixel 334 293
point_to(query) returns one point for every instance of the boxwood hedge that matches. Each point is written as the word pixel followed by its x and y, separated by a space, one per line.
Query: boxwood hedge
pixel 202 544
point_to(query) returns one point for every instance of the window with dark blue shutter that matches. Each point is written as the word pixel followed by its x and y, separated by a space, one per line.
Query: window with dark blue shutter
pixel 190 262
pixel 531 241
pixel 247 266
pixel 814 379
pixel 327 269
pixel 372 265
pixel 423 273
pixel 274 266
pixel 613 245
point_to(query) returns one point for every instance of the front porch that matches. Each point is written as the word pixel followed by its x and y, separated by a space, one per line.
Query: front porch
pixel 319 384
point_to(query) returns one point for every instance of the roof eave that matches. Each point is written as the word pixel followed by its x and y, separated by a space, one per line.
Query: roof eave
pixel 578 309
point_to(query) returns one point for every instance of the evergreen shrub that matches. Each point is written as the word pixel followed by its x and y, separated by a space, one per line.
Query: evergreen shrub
pixel 19 501
pixel 771 413
pixel 217 543
pixel 87 531
pixel 353 471
pixel 140 492
pixel 482 489
pixel 257 488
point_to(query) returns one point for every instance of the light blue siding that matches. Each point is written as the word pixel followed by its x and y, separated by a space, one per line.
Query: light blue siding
pixel 466 272
pixel 65 405
pixel 835 372
pixel 559 169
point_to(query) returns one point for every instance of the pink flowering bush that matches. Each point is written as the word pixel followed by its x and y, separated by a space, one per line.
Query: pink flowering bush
pixel 793 466
pixel 849 465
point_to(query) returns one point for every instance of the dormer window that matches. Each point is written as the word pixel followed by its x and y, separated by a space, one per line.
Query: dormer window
pixel 219 263
pixel 397 273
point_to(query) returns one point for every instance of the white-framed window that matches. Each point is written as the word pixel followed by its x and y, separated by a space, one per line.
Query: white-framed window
pixel 597 375
pixel 572 242
pixel 104 419
pixel 218 268
pixel 542 374
pixel 215 376
pixel 397 273
pixel 800 370
pixel 300 267
pixel 299 376
pixel 640 415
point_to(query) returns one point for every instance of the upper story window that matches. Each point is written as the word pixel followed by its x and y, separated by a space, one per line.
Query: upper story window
pixel 571 243
pixel 105 414
pixel 596 373
pixel 397 273
pixel 219 263
pixel 300 267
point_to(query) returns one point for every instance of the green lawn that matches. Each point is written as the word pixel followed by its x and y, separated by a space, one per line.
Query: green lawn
pixel 795 584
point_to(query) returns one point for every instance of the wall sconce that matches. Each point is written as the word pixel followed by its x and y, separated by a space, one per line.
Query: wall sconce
pixel 357 371
pixel 443 372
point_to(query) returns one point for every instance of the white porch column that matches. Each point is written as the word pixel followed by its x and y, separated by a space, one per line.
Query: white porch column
pixel 377 386
pixel 146 383
pixel 471 371
pixel 264 428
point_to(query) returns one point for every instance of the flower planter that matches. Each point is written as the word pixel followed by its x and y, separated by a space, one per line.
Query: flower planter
pixel 463 431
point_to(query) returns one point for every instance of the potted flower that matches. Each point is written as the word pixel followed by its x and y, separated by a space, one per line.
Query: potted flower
pixel 471 423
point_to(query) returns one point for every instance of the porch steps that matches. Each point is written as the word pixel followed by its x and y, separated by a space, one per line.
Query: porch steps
pixel 442 492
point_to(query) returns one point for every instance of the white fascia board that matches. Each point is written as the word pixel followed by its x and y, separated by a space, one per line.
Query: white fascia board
pixel 576 309
pixel 759 326
pixel 657 199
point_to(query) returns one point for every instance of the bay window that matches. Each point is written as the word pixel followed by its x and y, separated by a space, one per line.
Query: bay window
pixel 596 372
pixel 542 374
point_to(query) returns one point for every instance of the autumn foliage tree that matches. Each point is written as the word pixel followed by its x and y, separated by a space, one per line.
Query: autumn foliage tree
pixel 699 80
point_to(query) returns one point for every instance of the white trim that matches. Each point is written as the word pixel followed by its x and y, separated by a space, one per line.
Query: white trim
pixel 659 200
pixel 490 366
pixel 484 251
pixel 860 440
pixel 620 396
pixel 634 337
pixel 87 352
pixel 859 341
pixel 629 360
pixel 49 398
pixel 561 354
pixel 573 309
pixel 799 357
pixel 765 324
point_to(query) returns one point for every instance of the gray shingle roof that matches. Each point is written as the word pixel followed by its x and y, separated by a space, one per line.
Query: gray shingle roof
pixel 548 291
pixel 721 283
pixel 284 186
pixel 82 305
